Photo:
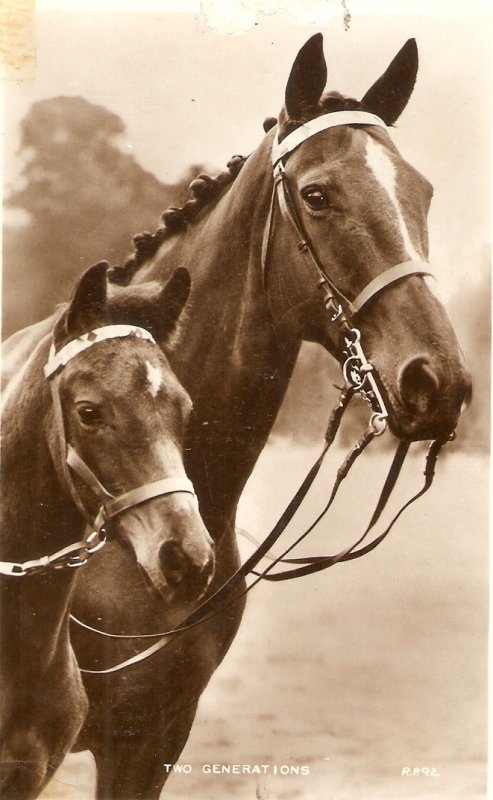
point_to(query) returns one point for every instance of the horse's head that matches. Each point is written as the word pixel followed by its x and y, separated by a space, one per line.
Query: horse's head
pixel 356 209
pixel 123 414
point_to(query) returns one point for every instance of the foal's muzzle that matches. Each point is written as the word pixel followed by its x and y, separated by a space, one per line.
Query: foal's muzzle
pixel 187 577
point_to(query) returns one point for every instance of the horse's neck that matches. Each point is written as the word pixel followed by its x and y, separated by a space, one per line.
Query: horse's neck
pixel 229 356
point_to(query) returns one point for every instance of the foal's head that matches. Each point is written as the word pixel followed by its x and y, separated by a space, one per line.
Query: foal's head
pixel 125 414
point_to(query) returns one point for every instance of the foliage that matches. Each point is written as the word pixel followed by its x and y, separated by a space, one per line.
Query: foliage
pixel 83 197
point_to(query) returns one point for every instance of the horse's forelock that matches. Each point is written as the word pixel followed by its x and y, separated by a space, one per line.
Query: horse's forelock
pixel 335 101
pixel 329 102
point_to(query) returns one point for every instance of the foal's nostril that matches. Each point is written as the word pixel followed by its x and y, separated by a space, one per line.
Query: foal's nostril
pixel 182 573
pixel 173 563
pixel 418 386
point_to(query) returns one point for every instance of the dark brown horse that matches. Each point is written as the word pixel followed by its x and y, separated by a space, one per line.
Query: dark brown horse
pixel 98 434
pixel 355 220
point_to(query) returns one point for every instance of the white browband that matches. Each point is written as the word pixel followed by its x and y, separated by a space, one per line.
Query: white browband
pixel 76 346
pixel 301 134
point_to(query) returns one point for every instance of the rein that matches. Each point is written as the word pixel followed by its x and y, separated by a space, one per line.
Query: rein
pixel 68 462
pixel 224 598
pixel 359 376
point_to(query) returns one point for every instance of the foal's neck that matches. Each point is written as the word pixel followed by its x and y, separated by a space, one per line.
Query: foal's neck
pixel 38 517
pixel 37 520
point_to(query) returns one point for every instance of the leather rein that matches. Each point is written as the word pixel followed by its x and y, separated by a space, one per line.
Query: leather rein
pixel 67 463
pixel 360 378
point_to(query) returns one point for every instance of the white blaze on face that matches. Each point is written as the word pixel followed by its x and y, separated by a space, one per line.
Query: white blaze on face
pixel 384 171
pixel 154 378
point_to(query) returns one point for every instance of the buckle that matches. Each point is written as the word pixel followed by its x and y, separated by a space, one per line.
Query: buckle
pixel 95 541
pixel 73 562
pixel 352 337
pixel 378 423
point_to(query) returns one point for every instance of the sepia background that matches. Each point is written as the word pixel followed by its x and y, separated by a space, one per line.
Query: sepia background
pixel 381 664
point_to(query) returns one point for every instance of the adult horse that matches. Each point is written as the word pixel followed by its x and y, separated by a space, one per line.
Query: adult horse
pixel 97 435
pixel 344 218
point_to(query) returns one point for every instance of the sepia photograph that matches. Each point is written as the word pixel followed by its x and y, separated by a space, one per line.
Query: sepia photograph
pixel 246 322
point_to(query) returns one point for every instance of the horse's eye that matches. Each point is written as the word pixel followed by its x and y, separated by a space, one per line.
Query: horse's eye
pixel 315 198
pixel 89 414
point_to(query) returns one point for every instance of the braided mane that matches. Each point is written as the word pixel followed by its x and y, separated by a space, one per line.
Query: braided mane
pixel 204 188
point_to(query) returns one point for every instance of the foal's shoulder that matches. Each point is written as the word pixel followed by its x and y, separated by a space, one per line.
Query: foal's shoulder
pixel 18 347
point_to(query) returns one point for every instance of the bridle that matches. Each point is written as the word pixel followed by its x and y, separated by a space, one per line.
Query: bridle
pixel 67 463
pixel 357 370
pixel 360 378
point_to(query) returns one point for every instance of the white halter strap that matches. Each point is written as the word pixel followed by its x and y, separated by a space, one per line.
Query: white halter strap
pixel 301 134
pixel 58 360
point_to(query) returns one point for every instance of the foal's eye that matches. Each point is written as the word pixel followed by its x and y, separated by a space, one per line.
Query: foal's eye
pixel 315 198
pixel 89 414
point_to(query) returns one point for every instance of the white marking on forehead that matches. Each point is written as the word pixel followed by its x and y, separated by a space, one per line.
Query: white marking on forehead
pixel 154 378
pixel 384 171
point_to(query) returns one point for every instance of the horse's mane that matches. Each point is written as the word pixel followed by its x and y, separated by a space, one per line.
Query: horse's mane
pixel 205 189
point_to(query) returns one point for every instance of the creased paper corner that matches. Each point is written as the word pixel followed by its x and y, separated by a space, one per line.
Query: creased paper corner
pixel 17 49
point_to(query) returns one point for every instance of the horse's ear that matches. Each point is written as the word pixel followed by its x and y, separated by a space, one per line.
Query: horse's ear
pixel 172 301
pixel 389 95
pixel 88 301
pixel 307 78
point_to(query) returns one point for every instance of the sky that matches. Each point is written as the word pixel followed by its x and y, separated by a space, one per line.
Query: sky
pixel 188 92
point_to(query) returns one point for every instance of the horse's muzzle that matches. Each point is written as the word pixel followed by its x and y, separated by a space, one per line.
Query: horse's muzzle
pixel 431 400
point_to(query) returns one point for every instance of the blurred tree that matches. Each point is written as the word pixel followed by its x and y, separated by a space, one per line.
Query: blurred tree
pixel 81 199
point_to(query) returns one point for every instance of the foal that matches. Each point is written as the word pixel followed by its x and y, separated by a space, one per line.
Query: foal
pixel 97 434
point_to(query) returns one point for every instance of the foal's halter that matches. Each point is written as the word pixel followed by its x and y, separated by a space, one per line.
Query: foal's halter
pixel 68 461
pixel 359 378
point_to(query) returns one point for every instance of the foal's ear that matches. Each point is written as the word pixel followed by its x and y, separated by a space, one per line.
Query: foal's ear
pixel 307 78
pixel 88 302
pixel 172 300
pixel 389 95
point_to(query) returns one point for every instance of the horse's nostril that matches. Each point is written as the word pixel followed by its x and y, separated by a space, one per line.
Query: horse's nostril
pixel 418 386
